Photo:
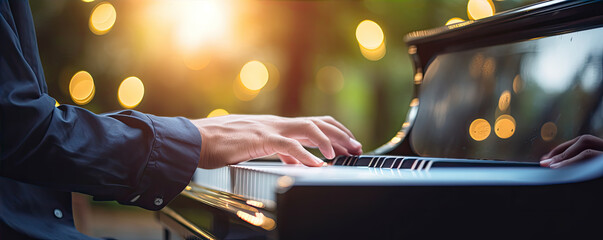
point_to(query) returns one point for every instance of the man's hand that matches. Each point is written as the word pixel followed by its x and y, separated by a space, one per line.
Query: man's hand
pixel 232 139
pixel 578 149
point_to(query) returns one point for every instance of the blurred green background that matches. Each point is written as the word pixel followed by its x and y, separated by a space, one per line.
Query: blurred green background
pixel 189 54
pixel 289 58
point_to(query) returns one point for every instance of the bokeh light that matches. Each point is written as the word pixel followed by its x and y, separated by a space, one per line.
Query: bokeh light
pixel 87 1
pixel 504 101
pixel 478 9
pixel 454 20
pixel 81 88
pixel 130 92
pixel 243 93
pixel 517 84
pixel 329 80
pixel 102 18
pixel 504 127
pixel 548 131
pixel 217 112
pixel 479 129
pixel 373 54
pixel 369 35
pixel 254 75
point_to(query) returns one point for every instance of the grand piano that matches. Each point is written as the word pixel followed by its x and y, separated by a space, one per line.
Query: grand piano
pixel 490 98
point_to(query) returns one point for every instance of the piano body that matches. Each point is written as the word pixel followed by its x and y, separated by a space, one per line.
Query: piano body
pixel 490 97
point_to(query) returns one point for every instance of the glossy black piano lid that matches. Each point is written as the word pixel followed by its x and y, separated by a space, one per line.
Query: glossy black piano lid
pixel 512 101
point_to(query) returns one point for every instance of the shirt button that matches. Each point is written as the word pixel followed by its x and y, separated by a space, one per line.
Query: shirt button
pixel 158 201
pixel 58 213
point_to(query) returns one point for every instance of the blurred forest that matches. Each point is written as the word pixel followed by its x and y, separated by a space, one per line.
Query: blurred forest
pixel 290 58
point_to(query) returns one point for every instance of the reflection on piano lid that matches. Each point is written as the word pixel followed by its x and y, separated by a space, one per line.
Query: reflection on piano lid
pixel 507 88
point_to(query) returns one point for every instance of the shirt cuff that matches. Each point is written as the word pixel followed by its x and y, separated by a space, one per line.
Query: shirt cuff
pixel 174 157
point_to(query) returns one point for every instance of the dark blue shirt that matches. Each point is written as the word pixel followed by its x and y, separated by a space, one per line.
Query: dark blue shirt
pixel 47 152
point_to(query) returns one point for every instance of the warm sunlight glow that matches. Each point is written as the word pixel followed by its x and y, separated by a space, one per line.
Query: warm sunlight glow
pixel 199 22
pixel 87 1
pixel 329 80
pixel 102 18
pixel 504 127
pixel 454 20
pixel 479 129
pixel 196 60
pixel 369 35
pixel 254 75
pixel 218 112
pixel 130 92
pixel 478 9
pixel 548 131
pixel 81 88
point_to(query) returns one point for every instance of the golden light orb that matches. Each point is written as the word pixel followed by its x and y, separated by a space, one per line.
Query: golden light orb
pixel 130 92
pixel 504 127
pixel 454 20
pixel 81 88
pixel 517 84
pixel 504 101
pixel 329 80
pixel 87 1
pixel 369 35
pixel 373 54
pixel 243 93
pixel 102 18
pixel 254 75
pixel 217 112
pixel 548 131
pixel 478 9
pixel 479 129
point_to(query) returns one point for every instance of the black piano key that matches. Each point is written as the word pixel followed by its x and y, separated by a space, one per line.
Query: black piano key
pixel 408 162
pixel 363 161
pixel 339 160
pixel 388 163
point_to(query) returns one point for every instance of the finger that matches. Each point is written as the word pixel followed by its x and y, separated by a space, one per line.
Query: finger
pixel 581 144
pixel 559 149
pixel 339 150
pixel 288 159
pixel 337 124
pixel 337 136
pixel 292 148
pixel 584 155
pixel 307 129
pixel 306 143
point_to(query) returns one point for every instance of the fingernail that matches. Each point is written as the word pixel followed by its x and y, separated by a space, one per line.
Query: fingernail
pixel 318 161
pixel 555 165
pixel 546 161
pixel 355 143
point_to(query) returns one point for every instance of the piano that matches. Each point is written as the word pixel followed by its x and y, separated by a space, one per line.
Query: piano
pixel 490 97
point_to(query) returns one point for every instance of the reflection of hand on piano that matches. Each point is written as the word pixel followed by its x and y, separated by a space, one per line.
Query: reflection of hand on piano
pixel 578 149
pixel 232 139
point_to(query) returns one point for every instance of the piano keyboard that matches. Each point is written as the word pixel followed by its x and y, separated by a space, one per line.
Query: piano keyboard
pixel 420 163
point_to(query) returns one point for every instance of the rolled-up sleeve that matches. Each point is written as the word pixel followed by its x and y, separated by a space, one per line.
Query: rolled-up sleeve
pixel 128 156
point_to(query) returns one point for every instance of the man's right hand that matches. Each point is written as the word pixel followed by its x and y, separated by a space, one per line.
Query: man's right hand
pixel 232 139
